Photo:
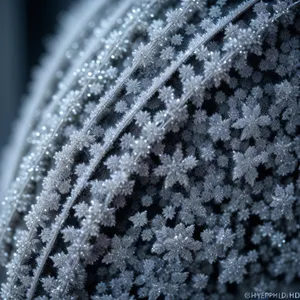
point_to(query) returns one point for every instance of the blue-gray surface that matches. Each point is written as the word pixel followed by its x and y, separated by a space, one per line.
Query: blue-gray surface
pixel 12 64
pixel 158 155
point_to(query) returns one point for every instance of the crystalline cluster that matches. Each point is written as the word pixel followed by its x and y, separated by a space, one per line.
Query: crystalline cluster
pixel 157 156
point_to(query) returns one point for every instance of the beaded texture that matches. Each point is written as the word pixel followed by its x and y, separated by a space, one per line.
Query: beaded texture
pixel 157 155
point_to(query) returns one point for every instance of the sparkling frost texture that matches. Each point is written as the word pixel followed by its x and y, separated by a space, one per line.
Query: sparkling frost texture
pixel 157 156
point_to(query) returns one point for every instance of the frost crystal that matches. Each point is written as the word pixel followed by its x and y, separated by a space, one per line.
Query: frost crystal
pixel 175 168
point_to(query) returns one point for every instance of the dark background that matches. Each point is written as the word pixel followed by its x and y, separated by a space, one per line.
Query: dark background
pixel 24 25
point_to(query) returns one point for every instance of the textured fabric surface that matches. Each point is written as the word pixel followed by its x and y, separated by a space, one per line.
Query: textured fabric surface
pixel 157 156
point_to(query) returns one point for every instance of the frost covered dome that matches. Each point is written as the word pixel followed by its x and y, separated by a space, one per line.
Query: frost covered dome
pixel 157 155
